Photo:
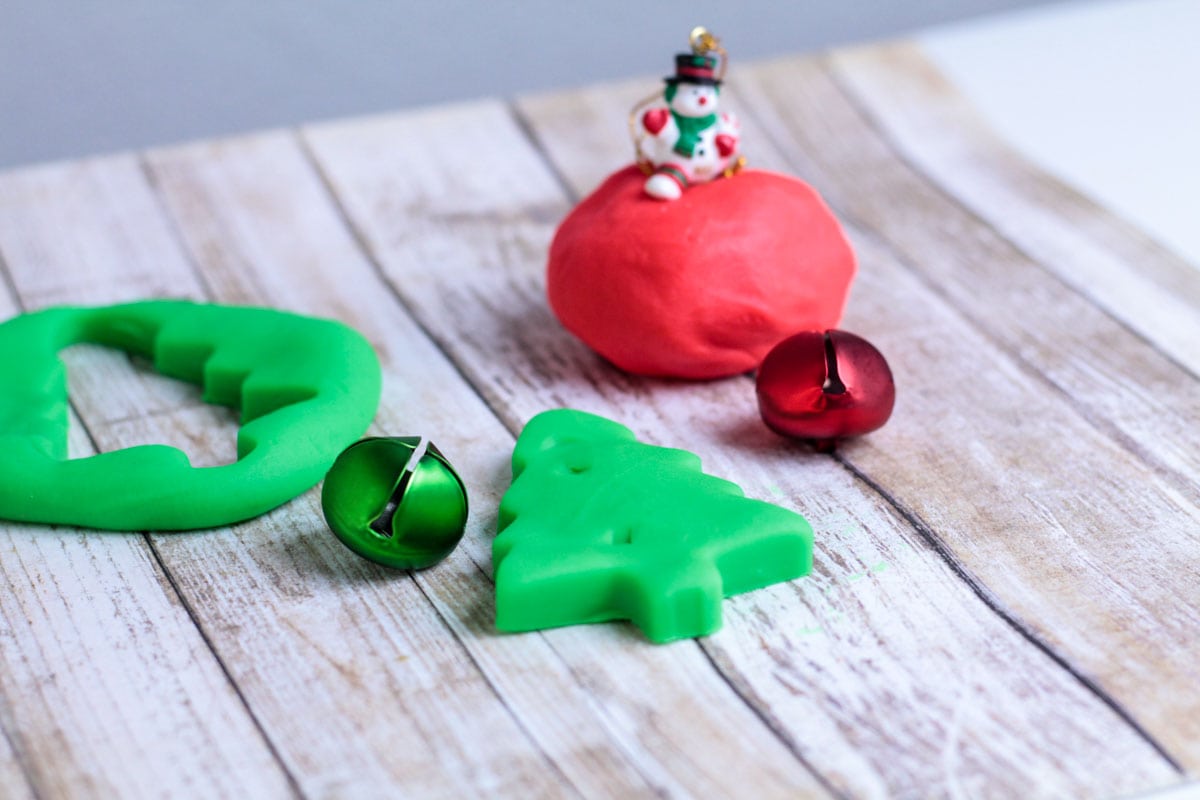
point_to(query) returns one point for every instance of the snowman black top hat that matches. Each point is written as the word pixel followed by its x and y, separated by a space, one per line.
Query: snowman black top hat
pixel 694 68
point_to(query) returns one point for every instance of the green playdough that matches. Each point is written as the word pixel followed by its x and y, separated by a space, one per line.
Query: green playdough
pixel 598 526
pixel 306 388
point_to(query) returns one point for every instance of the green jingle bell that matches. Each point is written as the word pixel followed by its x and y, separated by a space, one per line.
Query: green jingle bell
pixel 396 501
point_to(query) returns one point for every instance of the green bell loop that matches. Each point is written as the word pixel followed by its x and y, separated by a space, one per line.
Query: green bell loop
pixel 395 502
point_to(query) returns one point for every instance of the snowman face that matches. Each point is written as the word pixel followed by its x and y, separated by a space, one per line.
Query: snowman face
pixel 694 100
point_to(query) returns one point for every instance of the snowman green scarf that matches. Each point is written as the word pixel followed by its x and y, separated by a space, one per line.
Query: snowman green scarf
pixel 690 129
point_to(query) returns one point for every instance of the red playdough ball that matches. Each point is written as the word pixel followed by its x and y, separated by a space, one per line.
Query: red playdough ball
pixel 702 286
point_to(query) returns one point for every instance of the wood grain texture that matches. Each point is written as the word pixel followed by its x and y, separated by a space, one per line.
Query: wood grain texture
pixel 829 661
pixel 590 710
pixel 300 623
pixel 1184 791
pixel 1116 379
pixel 1002 602
pixel 13 782
pixel 106 686
pixel 930 124
pixel 1083 520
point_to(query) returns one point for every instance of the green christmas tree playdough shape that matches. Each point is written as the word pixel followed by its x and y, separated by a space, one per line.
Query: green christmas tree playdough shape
pixel 306 388
pixel 598 526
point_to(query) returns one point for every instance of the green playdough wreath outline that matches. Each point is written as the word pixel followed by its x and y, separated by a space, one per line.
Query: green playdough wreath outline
pixel 306 388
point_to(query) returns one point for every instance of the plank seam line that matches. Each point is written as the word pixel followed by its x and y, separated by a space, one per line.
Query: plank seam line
pixel 10 283
pixel 151 179
pixel 159 412
pixel 773 724
pixel 20 757
pixel 153 549
pixel 1139 238
pixel 1107 428
pixel 993 602
pixel 526 127
pixel 619 745
pixel 923 530
pixel 191 612
pixel 368 252
pixel 1174 477
pixel 597 708
pixel 900 154
pixel 926 532
pixel 18 751
pixel 369 255
pixel 34 779
pixel 550 762
pixel 511 425
pixel 177 235
pixel 174 587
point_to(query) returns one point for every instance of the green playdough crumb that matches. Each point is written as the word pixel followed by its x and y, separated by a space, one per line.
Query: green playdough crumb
pixel 598 526
pixel 306 388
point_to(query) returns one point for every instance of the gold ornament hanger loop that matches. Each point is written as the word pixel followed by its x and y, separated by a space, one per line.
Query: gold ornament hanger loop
pixel 704 42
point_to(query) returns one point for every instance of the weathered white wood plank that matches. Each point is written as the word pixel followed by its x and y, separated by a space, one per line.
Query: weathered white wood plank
pixel 106 686
pixel 1019 469
pixel 111 691
pixel 612 715
pixel 1102 256
pixel 72 214
pixel 1186 791
pixel 883 669
pixel 1021 455
pixel 1116 379
pixel 13 783
pixel 349 676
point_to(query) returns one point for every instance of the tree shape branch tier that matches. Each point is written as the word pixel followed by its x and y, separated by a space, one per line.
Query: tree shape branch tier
pixel 599 526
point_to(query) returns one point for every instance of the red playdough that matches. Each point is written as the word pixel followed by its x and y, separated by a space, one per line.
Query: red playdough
pixel 702 286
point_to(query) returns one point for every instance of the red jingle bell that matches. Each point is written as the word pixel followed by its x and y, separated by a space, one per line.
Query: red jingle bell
pixel 825 386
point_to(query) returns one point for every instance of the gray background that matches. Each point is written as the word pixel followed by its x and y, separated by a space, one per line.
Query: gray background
pixel 78 78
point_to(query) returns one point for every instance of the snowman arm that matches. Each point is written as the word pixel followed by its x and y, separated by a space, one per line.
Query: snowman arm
pixel 727 144
pixel 653 120
pixel 660 148
pixel 658 122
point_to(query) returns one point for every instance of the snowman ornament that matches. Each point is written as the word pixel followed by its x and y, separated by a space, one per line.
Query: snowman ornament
pixel 687 139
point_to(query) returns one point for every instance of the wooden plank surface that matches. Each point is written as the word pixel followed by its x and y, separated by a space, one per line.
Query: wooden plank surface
pixel 1026 456
pixel 257 216
pixel 1090 442
pixel 107 685
pixel 1132 388
pixel 1002 598
pixel 524 362
pixel 1135 279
